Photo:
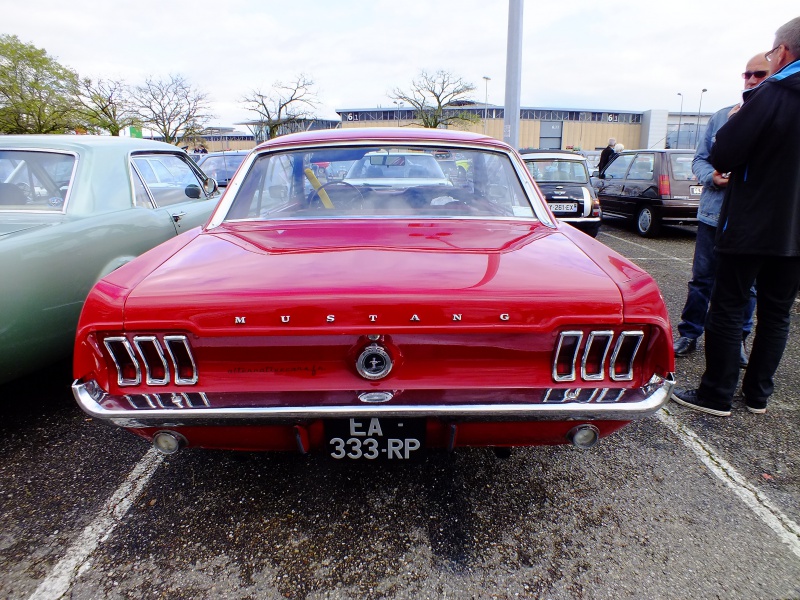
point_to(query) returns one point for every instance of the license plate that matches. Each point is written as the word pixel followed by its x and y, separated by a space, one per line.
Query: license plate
pixel 371 438
pixel 695 190
pixel 563 206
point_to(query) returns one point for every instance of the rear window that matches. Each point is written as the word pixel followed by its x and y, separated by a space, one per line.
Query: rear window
pixel 394 181
pixel 554 169
pixel 33 180
pixel 681 165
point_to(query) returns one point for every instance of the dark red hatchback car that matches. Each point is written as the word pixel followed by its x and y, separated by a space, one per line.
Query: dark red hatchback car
pixel 650 187
pixel 372 318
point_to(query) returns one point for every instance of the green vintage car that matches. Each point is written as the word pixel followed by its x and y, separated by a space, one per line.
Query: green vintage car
pixel 73 209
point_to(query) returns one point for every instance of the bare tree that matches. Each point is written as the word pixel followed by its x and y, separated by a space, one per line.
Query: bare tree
pixel 172 107
pixel 283 108
pixel 437 98
pixel 107 105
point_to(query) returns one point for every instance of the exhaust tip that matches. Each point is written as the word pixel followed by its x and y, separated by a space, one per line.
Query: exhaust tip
pixel 583 436
pixel 168 442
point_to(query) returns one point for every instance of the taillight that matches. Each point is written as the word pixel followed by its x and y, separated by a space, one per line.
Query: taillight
pixel 595 362
pixel 151 357
pixel 663 186
pixel 566 355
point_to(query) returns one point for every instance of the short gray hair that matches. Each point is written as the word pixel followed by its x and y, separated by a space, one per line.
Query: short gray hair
pixel 611 141
pixel 789 35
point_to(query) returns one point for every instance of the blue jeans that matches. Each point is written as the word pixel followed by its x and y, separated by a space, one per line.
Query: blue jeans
pixel 693 317
pixel 778 284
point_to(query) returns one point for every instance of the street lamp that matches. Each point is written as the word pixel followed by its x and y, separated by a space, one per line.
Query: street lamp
pixel 697 129
pixel 680 116
pixel 398 106
pixel 486 103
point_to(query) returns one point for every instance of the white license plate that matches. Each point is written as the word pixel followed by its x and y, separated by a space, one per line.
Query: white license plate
pixel 695 190
pixel 370 438
pixel 563 206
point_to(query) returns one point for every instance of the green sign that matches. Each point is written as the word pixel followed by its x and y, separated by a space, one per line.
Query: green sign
pixel 136 132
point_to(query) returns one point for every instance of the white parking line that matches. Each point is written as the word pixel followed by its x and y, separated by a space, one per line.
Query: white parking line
pixel 788 531
pixel 60 578
pixel 648 248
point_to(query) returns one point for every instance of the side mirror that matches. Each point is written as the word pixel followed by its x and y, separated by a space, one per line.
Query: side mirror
pixel 210 186
pixel 192 191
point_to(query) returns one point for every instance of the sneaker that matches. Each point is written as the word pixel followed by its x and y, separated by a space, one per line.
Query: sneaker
pixel 757 406
pixel 689 399
pixel 684 346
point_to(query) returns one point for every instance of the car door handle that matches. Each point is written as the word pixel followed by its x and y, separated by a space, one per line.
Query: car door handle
pixel 177 216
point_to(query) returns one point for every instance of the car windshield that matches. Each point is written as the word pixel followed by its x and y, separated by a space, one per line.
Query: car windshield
pixel 380 182
pixel 555 169
pixel 31 180
pixel 682 167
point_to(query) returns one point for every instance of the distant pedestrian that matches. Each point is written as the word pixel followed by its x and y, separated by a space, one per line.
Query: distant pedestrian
pixel 606 154
pixel 693 317
pixel 758 236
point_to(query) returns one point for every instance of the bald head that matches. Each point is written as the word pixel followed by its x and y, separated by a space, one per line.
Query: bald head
pixel 756 71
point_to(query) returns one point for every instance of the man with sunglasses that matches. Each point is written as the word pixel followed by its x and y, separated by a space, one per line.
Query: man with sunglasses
pixel 693 317
pixel 758 236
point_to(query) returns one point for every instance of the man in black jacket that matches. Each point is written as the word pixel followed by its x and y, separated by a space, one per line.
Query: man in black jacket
pixel 607 154
pixel 758 236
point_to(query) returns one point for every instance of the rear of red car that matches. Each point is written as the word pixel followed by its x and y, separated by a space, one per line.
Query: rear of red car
pixel 375 338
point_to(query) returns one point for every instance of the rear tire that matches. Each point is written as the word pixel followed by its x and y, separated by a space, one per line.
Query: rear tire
pixel 647 223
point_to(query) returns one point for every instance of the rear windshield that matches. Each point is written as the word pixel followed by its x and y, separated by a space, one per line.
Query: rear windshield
pixel 554 169
pixel 33 180
pixel 375 181
pixel 681 165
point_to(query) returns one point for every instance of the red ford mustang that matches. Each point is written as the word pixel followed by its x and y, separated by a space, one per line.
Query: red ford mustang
pixel 347 296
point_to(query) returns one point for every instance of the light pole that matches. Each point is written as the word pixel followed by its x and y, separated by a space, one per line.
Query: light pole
pixel 680 116
pixel 486 103
pixel 697 129
pixel 398 106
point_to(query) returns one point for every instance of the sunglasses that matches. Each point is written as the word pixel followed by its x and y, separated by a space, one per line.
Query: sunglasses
pixel 756 74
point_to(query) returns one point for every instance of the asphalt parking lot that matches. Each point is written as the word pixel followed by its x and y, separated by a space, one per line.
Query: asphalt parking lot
pixel 675 506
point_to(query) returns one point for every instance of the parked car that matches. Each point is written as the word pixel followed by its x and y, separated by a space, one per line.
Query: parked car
pixel 73 209
pixel 650 187
pixel 563 178
pixel 221 165
pixel 375 321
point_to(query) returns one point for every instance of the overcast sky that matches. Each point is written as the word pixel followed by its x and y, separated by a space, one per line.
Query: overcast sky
pixel 598 54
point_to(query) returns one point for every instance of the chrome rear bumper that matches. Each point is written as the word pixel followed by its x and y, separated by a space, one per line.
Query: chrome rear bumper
pixel 586 405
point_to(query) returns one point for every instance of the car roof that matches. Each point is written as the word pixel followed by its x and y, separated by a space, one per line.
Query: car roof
pixel 403 135
pixel 79 143
pixel 225 153
pixel 660 151
pixel 550 154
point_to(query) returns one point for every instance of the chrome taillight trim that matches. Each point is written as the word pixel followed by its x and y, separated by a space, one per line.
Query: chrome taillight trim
pixel 123 341
pixel 138 341
pixel 585 351
pixel 169 340
pixel 149 351
pixel 628 374
pixel 594 335
pixel 572 335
